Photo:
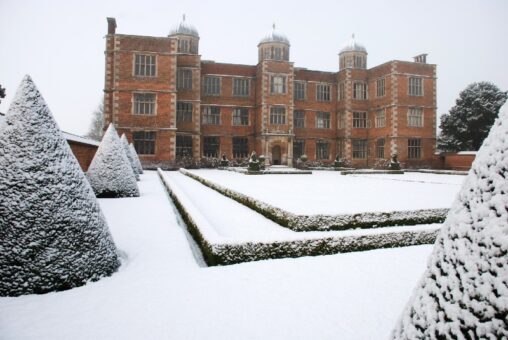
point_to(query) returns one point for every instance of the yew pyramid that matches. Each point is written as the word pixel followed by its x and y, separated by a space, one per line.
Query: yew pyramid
pixel 53 235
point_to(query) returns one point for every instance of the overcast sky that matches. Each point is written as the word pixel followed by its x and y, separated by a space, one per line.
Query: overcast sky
pixel 61 43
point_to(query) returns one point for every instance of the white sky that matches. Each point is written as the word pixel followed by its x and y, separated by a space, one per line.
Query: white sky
pixel 61 43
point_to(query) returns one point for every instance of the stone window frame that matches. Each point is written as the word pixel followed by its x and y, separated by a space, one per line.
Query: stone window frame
pixel 274 88
pixel 240 150
pixel 301 93
pixel 183 46
pixel 183 146
pixel 137 104
pixel 360 148
pixel 211 86
pixel 322 120
pixel 184 115
pixel 278 115
pixel 414 148
pixel 239 89
pixel 186 46
pixel 211 149
pixel 323 92
pixel 210 115
pixel 358 121
pixel 322 149
pixel 145 143
pixel 415 117
pixel 415 86
pixel 359 61
pixel 150 69
pixel 380 118
pixel 299 122
pixel 239 119
pixel 184 81
pixel 360 90
pixel 381 87
pixel 380 148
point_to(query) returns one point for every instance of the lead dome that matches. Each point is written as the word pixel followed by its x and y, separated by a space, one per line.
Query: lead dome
pixel 184 28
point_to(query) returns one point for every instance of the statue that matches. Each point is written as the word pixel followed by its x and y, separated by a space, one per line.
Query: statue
pixel 394 163
pixel 224 162
pixel 253 162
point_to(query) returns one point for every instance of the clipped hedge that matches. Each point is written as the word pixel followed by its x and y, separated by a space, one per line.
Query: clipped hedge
pixel 225 253
pixel 328 222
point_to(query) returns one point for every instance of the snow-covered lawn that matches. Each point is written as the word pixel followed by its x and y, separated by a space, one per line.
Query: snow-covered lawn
pixel 329 192
pixel 223 220
pixel 162 291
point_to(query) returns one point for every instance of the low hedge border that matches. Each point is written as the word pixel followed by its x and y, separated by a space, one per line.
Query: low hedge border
pixel 372 172
pixel 225 253
pixel 327 222
pixel 439 172
pixel 245 171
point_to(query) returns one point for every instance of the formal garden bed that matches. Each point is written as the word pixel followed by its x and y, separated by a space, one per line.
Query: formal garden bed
pixel 228 232
pixel 325 221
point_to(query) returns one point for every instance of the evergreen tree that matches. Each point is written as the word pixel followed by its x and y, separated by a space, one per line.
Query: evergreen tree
pixel 136 158
pixel 469 121
pixel 53 235
pixel 96 129
pixel 125 145
pixel 110 172
pixel 464 291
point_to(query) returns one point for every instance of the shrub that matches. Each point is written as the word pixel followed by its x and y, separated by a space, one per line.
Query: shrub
pixel 463 293
pixel 110 172
pixel 53 235
pixel 137 162
pixel 130 157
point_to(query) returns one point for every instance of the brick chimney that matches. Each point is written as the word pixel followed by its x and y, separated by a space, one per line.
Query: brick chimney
pixel 111 25
pixel 421 58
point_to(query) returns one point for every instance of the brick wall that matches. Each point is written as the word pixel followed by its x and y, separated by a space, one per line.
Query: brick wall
pixel 120 84
pixel 84 153
pixel 457 161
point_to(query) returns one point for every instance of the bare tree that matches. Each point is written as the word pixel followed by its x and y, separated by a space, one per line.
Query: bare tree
pixel 96 129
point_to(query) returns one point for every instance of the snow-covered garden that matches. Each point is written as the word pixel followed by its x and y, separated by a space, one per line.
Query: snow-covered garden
pixel 132 263
pixel 163 290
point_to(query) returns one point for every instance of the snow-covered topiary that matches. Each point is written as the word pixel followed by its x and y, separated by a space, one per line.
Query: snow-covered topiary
pixel 464 291
pixel 53 235
pixel 127 150
pixel 110 172
pixel 134 154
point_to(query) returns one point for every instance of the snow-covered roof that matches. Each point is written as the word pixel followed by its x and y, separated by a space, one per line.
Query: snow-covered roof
pixel 275 36
pixel 83 140
pixel 353 46
pixel 184 28
pixel 467 153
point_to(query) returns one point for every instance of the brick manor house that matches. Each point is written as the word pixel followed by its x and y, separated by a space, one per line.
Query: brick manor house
pixel 170 103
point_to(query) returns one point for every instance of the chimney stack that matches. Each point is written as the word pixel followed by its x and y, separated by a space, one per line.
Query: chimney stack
pixel 111 25
pixel 421 58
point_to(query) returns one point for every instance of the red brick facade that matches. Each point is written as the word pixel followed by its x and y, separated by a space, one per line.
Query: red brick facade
pixel 363 115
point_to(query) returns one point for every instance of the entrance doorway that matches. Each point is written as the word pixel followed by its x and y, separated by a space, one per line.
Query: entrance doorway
pixel 276 158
